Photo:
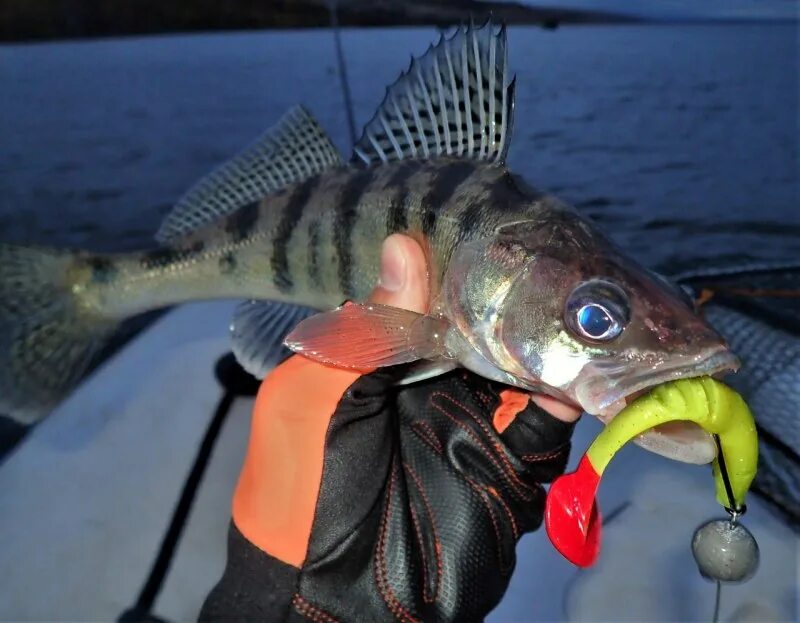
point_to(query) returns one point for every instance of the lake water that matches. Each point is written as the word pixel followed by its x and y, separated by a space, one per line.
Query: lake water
pixel 681 140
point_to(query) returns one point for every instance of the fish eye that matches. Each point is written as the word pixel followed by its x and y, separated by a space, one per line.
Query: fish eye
pixel 596 322
pixel 597 311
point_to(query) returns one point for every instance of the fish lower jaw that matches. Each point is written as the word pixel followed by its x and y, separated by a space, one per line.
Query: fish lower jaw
pixel 678 440
pixel 716 365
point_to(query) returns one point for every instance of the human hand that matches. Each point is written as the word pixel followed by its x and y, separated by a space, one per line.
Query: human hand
pixel 362 500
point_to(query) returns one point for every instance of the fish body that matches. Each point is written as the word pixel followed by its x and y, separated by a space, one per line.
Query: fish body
pixel 525 290
pixel 317 242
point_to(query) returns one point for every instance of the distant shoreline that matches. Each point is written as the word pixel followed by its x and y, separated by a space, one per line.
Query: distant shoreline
pixel 47 20
pixel 29 27
pixel 253 30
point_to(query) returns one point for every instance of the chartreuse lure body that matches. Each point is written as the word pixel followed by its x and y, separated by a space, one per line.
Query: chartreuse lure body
pixel 572 517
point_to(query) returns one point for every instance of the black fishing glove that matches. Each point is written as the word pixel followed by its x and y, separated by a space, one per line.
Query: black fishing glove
pixel 363 501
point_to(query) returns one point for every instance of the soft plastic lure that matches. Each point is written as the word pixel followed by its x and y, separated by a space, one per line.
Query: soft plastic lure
pixel 572 518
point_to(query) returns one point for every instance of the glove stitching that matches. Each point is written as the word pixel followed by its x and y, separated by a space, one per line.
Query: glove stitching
pixel 424 431
pixel 381 580
pixel 484 397
pixel 437 543
pixel 327 463
pixel 523 490
pixel 482 495
pixel 310 611
pixel 496 495
pixel 544 456
pixel 421 545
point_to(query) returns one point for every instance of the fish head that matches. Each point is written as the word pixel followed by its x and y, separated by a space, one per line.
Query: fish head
pixel 574 317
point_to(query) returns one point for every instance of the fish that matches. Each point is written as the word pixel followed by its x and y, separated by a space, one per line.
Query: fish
pixel 756 307
pixel 525 290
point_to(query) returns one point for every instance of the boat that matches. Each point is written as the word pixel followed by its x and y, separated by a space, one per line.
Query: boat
pixel 89 494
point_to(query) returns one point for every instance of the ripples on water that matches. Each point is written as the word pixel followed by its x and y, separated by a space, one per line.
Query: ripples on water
pixel 681 140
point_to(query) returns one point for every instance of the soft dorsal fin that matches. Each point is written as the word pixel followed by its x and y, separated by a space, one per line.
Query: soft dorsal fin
pixel 294 149
pixel 455 100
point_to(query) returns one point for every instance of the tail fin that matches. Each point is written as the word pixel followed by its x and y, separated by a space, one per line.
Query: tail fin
pixel 46 339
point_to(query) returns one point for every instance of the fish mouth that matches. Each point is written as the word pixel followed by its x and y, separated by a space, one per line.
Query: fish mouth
pixel 678 440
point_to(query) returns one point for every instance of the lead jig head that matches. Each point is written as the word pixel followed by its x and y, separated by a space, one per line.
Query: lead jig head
pixel 725 551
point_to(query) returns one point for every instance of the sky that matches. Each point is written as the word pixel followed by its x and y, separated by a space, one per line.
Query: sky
pixel 730 9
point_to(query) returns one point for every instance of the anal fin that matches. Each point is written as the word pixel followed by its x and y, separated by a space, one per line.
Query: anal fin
pixel 257 331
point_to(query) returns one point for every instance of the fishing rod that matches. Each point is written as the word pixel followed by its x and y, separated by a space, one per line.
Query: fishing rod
pixel 337 38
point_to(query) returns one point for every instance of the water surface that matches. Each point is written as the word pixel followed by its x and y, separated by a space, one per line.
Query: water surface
pixel 681 140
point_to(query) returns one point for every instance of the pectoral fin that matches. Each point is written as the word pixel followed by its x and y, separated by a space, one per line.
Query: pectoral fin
pixel 369 336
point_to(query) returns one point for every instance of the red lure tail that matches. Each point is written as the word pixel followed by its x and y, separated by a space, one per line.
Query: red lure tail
pixel 572 519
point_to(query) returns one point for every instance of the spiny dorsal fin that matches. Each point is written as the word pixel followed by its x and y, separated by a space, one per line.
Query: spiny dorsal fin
pixel 455 100
pixel 294 149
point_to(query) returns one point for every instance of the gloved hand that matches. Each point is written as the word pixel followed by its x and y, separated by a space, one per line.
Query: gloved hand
pixel 361 500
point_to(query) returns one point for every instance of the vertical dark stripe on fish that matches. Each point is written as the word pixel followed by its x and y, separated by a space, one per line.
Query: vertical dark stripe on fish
pixel 292 213
pixel 241 223
pixel 470 220
pixel 508 189
pixel 346 215
pixel 159 258
pixel 227 263
pixel 444 185
pixel 313 254
pixel 397 217
pixel 103 269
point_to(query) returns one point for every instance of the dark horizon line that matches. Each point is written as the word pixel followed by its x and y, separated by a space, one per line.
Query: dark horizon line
pixel 635 21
